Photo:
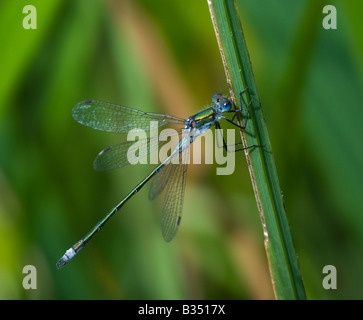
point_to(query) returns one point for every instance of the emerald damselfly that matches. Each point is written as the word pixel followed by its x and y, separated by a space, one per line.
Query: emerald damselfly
pixel 169 175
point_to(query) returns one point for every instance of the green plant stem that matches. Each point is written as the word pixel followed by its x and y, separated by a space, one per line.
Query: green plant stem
pixel 284 269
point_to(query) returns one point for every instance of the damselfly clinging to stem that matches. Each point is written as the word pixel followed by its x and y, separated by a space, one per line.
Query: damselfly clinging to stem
pixel 168 176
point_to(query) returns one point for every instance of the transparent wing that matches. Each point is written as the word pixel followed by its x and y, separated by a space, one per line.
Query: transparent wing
pixel 118 156
pixel 160 181
pixel 110 117
pixel 174 196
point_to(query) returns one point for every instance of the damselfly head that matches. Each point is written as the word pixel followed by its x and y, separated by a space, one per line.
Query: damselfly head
pixel 221 103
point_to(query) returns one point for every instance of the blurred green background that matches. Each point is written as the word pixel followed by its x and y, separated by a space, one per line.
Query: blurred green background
pixel 162 56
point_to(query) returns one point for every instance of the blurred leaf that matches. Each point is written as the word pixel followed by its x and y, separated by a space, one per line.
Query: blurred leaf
pixel 21 44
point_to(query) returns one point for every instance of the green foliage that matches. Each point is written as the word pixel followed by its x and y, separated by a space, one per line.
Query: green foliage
pixel 285 273
pixel 162 56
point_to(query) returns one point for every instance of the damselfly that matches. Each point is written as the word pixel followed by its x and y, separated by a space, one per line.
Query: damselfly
pixel 168 176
